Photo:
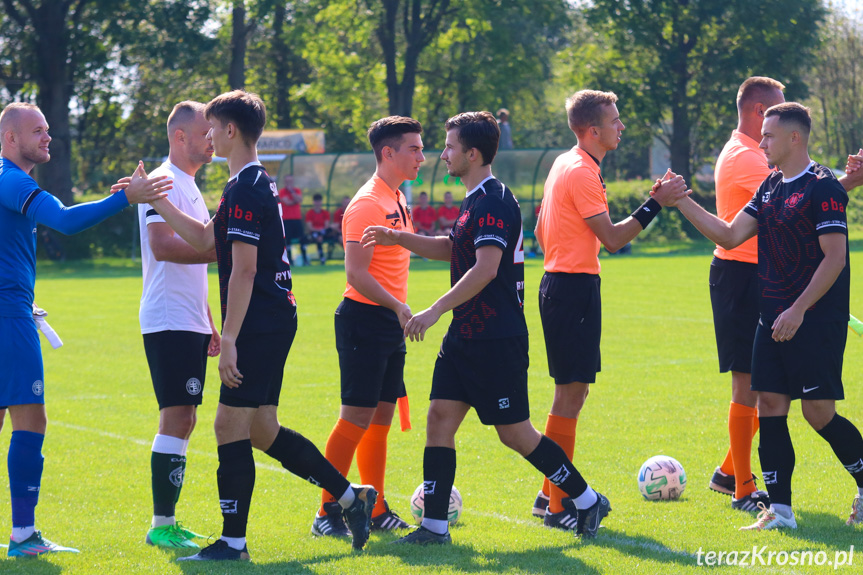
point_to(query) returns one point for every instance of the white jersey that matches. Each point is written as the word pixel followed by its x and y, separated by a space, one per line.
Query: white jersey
pixel 175 295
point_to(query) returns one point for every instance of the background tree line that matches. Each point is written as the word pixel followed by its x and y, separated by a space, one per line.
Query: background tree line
pixel 107 72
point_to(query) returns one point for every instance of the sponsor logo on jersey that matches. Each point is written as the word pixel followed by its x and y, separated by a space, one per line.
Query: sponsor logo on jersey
pixel 559 476
pixel 193 386
pixel 38 387
pixel 176 477
pixel 393 219
pixel 491 221
pixel 794 199
pixel 239 214
pixel 228 505
pixel 832 206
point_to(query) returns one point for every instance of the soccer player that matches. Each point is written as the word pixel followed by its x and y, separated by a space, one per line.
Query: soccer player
pixel 446 215
pixel 291 198
pixel 424 216
pixel 798 215
pixel 259 321
pixel 571 226
pixel 24 142
pixel 740 169
pixel 370 322
pixel 175 319
pixel 483 360
pixel 318 227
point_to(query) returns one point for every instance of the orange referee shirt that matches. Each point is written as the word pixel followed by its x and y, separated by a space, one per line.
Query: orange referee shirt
pixel 740 169
pixel 574 191
pixel 375 204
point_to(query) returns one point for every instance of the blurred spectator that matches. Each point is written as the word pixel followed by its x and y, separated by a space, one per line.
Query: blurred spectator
pixel 318 228
pixel 424 216
pixel 505 130
pixel 292 214
pixel 446 215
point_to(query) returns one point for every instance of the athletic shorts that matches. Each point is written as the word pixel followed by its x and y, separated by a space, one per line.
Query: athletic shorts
pixel 490 375
pixel 261 361
pixel 734 296
pixel 178 366
pixel 371 346
pixel 293 229
pixel 570 308
pixel 22 378
pixel 809 366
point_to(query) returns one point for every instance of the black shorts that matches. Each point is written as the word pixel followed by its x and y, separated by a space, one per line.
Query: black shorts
pixel 178 365
pixel 488 374
pixel 261 360
pixel 809 366
pixel 570 308
pixel 371 346
pixel 734 296
pixel 293 229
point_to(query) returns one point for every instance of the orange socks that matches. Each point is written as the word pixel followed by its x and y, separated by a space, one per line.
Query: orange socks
pixel 561 430
pixel 742 426
pixel 372 461
pixel 341 445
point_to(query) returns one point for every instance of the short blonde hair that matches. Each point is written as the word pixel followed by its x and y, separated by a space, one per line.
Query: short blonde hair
pixel 584 109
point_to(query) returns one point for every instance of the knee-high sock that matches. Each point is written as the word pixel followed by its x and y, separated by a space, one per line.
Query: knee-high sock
pixel 727 466
pixel 372 461
pixel 25 463
pixel 552 462
pixel 438 478
pixel 341 445
pixel 236 480
pixel 300 456
pixel 740 431
pixel 847 444
pixel 561 430
pixel 777 458
pixel 167 471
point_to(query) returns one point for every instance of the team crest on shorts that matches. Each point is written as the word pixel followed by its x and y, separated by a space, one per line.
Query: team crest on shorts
pixel 503 403
pixel 38 387
pixel 176 477
pixel 193 386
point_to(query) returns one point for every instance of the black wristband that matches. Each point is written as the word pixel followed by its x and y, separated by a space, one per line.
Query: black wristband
pixel 646 212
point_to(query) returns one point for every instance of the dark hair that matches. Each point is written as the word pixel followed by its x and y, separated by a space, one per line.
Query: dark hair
pixel 317 197
pixel 477 130
pixel 792 112
pixel 756 87
pixel 584 109
pixel 243 109
pixel 389 131
pixel 184 112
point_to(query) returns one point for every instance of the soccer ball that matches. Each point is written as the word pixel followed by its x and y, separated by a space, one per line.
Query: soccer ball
pixel 418 505
pixel 661 477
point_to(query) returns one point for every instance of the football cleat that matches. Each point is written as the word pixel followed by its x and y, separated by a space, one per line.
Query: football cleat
pixel 590 518
pixel 332 524
pixel 35 545
pixel 359 515
pixel 170 536
pixel 388 521
pixel 723 483
pixel 769 519
pixel 423 536
pixel 540 504
pixel 219 551
pixel 566 519
pixel 856 517
pixel 750 502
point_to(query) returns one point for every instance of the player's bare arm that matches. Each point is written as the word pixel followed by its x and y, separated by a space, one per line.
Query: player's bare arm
pixel 215 345
pixel 853 173
pixel 471 283
pixel 357 261
pixel 728 235
pixel 430 247
pixel 833 245
pixel 244 257
pixel 169 247
pixel 198 235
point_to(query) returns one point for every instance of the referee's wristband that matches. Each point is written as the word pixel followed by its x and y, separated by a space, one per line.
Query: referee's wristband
pixel 646 212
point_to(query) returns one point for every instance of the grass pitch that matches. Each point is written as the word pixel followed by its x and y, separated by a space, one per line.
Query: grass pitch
pixel 659 393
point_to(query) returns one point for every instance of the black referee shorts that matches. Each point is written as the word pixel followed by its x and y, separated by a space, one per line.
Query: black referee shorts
pixel 570 308
pixel 371 346
pixel 488 374
pixel 178 365
pixel 734 297
pixel 808 366
pixel 261 360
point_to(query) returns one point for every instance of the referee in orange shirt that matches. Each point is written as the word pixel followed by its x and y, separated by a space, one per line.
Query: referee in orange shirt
pixel 370 322
pixel 571 226
pixel 740 169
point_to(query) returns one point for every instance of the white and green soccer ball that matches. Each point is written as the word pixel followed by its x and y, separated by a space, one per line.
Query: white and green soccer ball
pixel 661 477
pixel 418 505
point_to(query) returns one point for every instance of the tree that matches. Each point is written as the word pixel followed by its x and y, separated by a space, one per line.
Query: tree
pixel 681 62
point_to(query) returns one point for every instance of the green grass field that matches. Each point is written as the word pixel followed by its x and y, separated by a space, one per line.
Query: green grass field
pixel 659 393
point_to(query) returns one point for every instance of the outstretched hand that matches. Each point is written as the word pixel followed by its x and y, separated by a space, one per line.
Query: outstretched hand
pixel 141 189
pixel 379 236
pixel 670 189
